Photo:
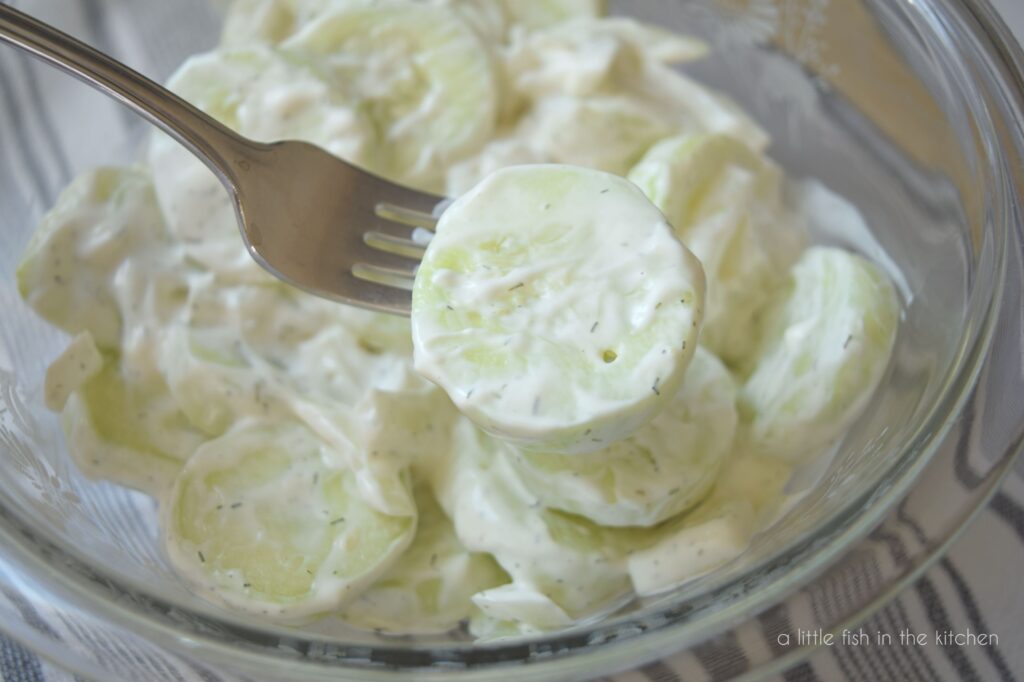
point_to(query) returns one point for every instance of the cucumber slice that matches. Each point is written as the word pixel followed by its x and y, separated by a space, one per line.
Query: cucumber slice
pixel 487 17
pixel 556 308
pixel 522 605
pixel 264 520
pixel 655 42
pixel 567 129
pixel 486 629
pixel 405 418
pixel 402 420
pixel 710 537
pixel 698 108
pixel 123 426
pixel 239 351
pixel 249 22
pixel 678 173
pixel 215 381
pixel 592 56
pixel 725 204
pixel 825 343
pixel 499 153
pixel 270 352
pixel 423 76
pixel 272 94
pixel 271 22
pixel 663 469
pixel 262 350
pixel 79 362
pixel 102 219
pixel 430 589
pixel 746 500
pixel 559 564
pixel 540 13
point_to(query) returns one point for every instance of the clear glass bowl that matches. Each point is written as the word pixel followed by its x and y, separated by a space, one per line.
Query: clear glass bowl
pixel 911 110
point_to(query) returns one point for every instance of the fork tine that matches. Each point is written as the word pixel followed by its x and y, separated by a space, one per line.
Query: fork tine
pixel 369 254
pixel 380 296
pixel 396 245
pixel 392 228
pixel 405 216
pixel 394 277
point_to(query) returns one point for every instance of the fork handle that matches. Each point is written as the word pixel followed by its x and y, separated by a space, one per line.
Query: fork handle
pixel 220 148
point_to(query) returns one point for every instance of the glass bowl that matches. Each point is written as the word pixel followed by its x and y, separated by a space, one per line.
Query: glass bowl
pixel 912 110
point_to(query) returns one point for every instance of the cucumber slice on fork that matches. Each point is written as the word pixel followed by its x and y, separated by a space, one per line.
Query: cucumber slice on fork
pixel 556 307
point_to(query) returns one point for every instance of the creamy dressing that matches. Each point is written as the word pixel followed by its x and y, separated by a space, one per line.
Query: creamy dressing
pixel 305 468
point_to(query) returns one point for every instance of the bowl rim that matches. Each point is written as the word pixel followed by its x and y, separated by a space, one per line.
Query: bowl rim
pixel 833 538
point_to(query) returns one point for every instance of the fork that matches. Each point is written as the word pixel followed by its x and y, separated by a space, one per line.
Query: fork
pixel 306 216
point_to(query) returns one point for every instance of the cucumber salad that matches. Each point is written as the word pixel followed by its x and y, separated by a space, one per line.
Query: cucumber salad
pixel 623 342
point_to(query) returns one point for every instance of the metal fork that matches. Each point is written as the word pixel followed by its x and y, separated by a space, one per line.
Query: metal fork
pixel 306 216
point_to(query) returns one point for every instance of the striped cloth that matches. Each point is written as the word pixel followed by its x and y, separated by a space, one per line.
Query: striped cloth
pixel 975 588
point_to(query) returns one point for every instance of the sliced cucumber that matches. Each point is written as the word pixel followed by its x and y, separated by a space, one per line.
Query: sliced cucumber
pixel 572 565
pixel 679 173
pixel 263 519
pixel 400 421
pixel 746 500
pixel 486 629
pixel 487 17
pixel 104 218
pixel 238 352
pixel 540 13
pixel 272 94
pixel 567 128
pixel 430 589
pixel 79 362
pixel 699 109
pixel 263 350
pixel 122 425
pixel 711 536
pixel 214 380
pixel 499 153
pixel 655 42
pixel 424 78
pixel 556 308
pixel 825 344
pixel 522 606
pixel 663 469
pixel 405 418
pixel 271 22
pixel 249 22
pixel 270 352
pixel 725 204
pixel 593 57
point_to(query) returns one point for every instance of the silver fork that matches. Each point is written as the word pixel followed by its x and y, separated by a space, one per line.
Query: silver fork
pixel 306 216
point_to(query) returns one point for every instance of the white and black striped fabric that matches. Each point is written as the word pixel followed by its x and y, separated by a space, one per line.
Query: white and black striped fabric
pixel 975 588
